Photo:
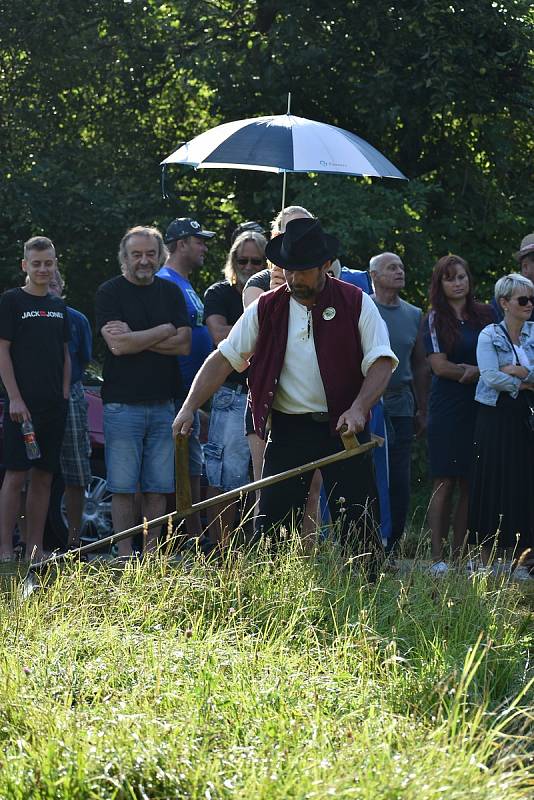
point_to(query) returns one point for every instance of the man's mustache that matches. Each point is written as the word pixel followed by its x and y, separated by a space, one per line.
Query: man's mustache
pixel 302 289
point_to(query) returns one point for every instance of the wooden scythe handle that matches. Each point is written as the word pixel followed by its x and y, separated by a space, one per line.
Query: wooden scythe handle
pixel 187 508
pixel 183 484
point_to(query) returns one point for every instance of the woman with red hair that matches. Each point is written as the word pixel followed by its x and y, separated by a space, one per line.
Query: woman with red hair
pixel 451 332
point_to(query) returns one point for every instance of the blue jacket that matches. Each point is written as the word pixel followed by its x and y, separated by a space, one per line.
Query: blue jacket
pixel 80 345
pixel 494 351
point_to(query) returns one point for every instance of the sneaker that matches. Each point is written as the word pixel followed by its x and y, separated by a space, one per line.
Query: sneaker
pixel 439 568
pixel 123 561
pixel 501 568
pixel 483 571
pixel 521 574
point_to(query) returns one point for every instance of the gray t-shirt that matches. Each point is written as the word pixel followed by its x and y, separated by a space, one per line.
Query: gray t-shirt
pixel 403 321
pixel 260 280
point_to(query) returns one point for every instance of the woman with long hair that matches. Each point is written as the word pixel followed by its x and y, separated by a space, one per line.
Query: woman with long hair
pixel 501 507
pixel 226 453
pixel 451 332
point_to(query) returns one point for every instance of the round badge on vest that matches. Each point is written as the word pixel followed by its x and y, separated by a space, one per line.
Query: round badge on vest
pixel 329 313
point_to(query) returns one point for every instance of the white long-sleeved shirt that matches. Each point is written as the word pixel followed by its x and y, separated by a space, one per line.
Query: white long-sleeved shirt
pixel 300 388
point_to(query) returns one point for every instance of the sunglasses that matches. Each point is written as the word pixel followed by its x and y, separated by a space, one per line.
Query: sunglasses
pixel 523 300
pixel 256 262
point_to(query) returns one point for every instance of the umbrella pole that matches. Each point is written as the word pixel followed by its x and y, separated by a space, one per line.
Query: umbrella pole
pixel 284 191
pixel 285 173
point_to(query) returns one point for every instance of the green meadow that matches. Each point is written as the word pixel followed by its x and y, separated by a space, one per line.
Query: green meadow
pixel 265 678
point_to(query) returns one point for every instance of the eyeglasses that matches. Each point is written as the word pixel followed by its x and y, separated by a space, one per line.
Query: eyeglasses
pixel 256 262
pixel 523 300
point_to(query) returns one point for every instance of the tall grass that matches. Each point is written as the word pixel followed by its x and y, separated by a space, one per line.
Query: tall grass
pixel 284 677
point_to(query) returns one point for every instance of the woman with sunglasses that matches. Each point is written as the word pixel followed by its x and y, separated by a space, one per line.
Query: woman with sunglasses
pixel 226 452
pixel 451 331
pixel 501 508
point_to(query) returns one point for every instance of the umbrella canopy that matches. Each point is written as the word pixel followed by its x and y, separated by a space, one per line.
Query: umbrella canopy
pixel 284 143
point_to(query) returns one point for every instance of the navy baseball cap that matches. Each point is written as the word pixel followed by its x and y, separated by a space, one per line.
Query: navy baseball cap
pixel 245 227
pixel 185 226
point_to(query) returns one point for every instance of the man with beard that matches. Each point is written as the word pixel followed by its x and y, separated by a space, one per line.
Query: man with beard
pixel 320 359
pixel 226 452
pixel 144 323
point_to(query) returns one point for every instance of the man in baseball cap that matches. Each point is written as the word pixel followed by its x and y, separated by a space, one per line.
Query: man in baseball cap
pixel 187 245
pixel 182 227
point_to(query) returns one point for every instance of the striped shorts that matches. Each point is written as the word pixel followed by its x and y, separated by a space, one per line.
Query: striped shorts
pixel 76 448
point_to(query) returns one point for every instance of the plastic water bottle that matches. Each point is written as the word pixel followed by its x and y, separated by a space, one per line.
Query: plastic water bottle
pixel 30 442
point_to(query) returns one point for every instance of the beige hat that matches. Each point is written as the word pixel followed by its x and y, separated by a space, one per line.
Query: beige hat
pixel 526 246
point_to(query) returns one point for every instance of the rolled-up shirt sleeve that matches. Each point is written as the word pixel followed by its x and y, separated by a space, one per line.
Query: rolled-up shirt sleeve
pixel 241 341
pixel 374 336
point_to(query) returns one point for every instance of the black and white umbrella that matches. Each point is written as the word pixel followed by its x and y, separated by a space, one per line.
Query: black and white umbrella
pixel 284 143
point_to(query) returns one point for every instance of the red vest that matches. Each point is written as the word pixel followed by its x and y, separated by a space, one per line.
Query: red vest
pixel 337 344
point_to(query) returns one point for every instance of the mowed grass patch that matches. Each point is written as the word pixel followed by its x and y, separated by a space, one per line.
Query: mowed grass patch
pixel 284 677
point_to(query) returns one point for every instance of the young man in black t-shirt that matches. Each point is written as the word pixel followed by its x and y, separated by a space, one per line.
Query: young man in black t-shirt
pixel 35 370
pixel 144 322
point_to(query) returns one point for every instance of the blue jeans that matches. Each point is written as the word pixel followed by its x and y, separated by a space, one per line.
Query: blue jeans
pixel 227 452
pixel 139 447
pixel 400 438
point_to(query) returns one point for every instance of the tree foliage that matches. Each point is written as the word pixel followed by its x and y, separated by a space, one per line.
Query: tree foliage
pixel 93 96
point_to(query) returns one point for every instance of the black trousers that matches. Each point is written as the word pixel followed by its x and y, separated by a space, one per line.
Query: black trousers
pixel 350 486
pixel 400 437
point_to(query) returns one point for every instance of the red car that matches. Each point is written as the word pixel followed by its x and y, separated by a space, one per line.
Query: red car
pixel 96 522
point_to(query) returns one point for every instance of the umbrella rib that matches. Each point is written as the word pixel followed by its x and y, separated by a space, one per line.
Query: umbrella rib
pixel 320 135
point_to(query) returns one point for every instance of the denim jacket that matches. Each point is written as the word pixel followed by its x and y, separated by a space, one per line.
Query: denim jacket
pixel 494 351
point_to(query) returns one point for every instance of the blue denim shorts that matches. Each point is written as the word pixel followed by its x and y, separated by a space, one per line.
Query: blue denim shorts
pixel 227 452
pixel 139 447
pixel 196 459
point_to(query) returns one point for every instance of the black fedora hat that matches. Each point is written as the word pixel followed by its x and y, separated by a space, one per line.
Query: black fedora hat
pixel 304 245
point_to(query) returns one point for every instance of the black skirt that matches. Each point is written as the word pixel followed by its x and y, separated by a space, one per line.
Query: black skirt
pixel 501 501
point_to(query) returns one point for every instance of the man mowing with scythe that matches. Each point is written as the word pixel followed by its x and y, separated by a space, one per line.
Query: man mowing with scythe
pixel 319 359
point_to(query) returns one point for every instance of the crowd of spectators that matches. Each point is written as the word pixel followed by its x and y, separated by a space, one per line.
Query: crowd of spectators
pixel 329 350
